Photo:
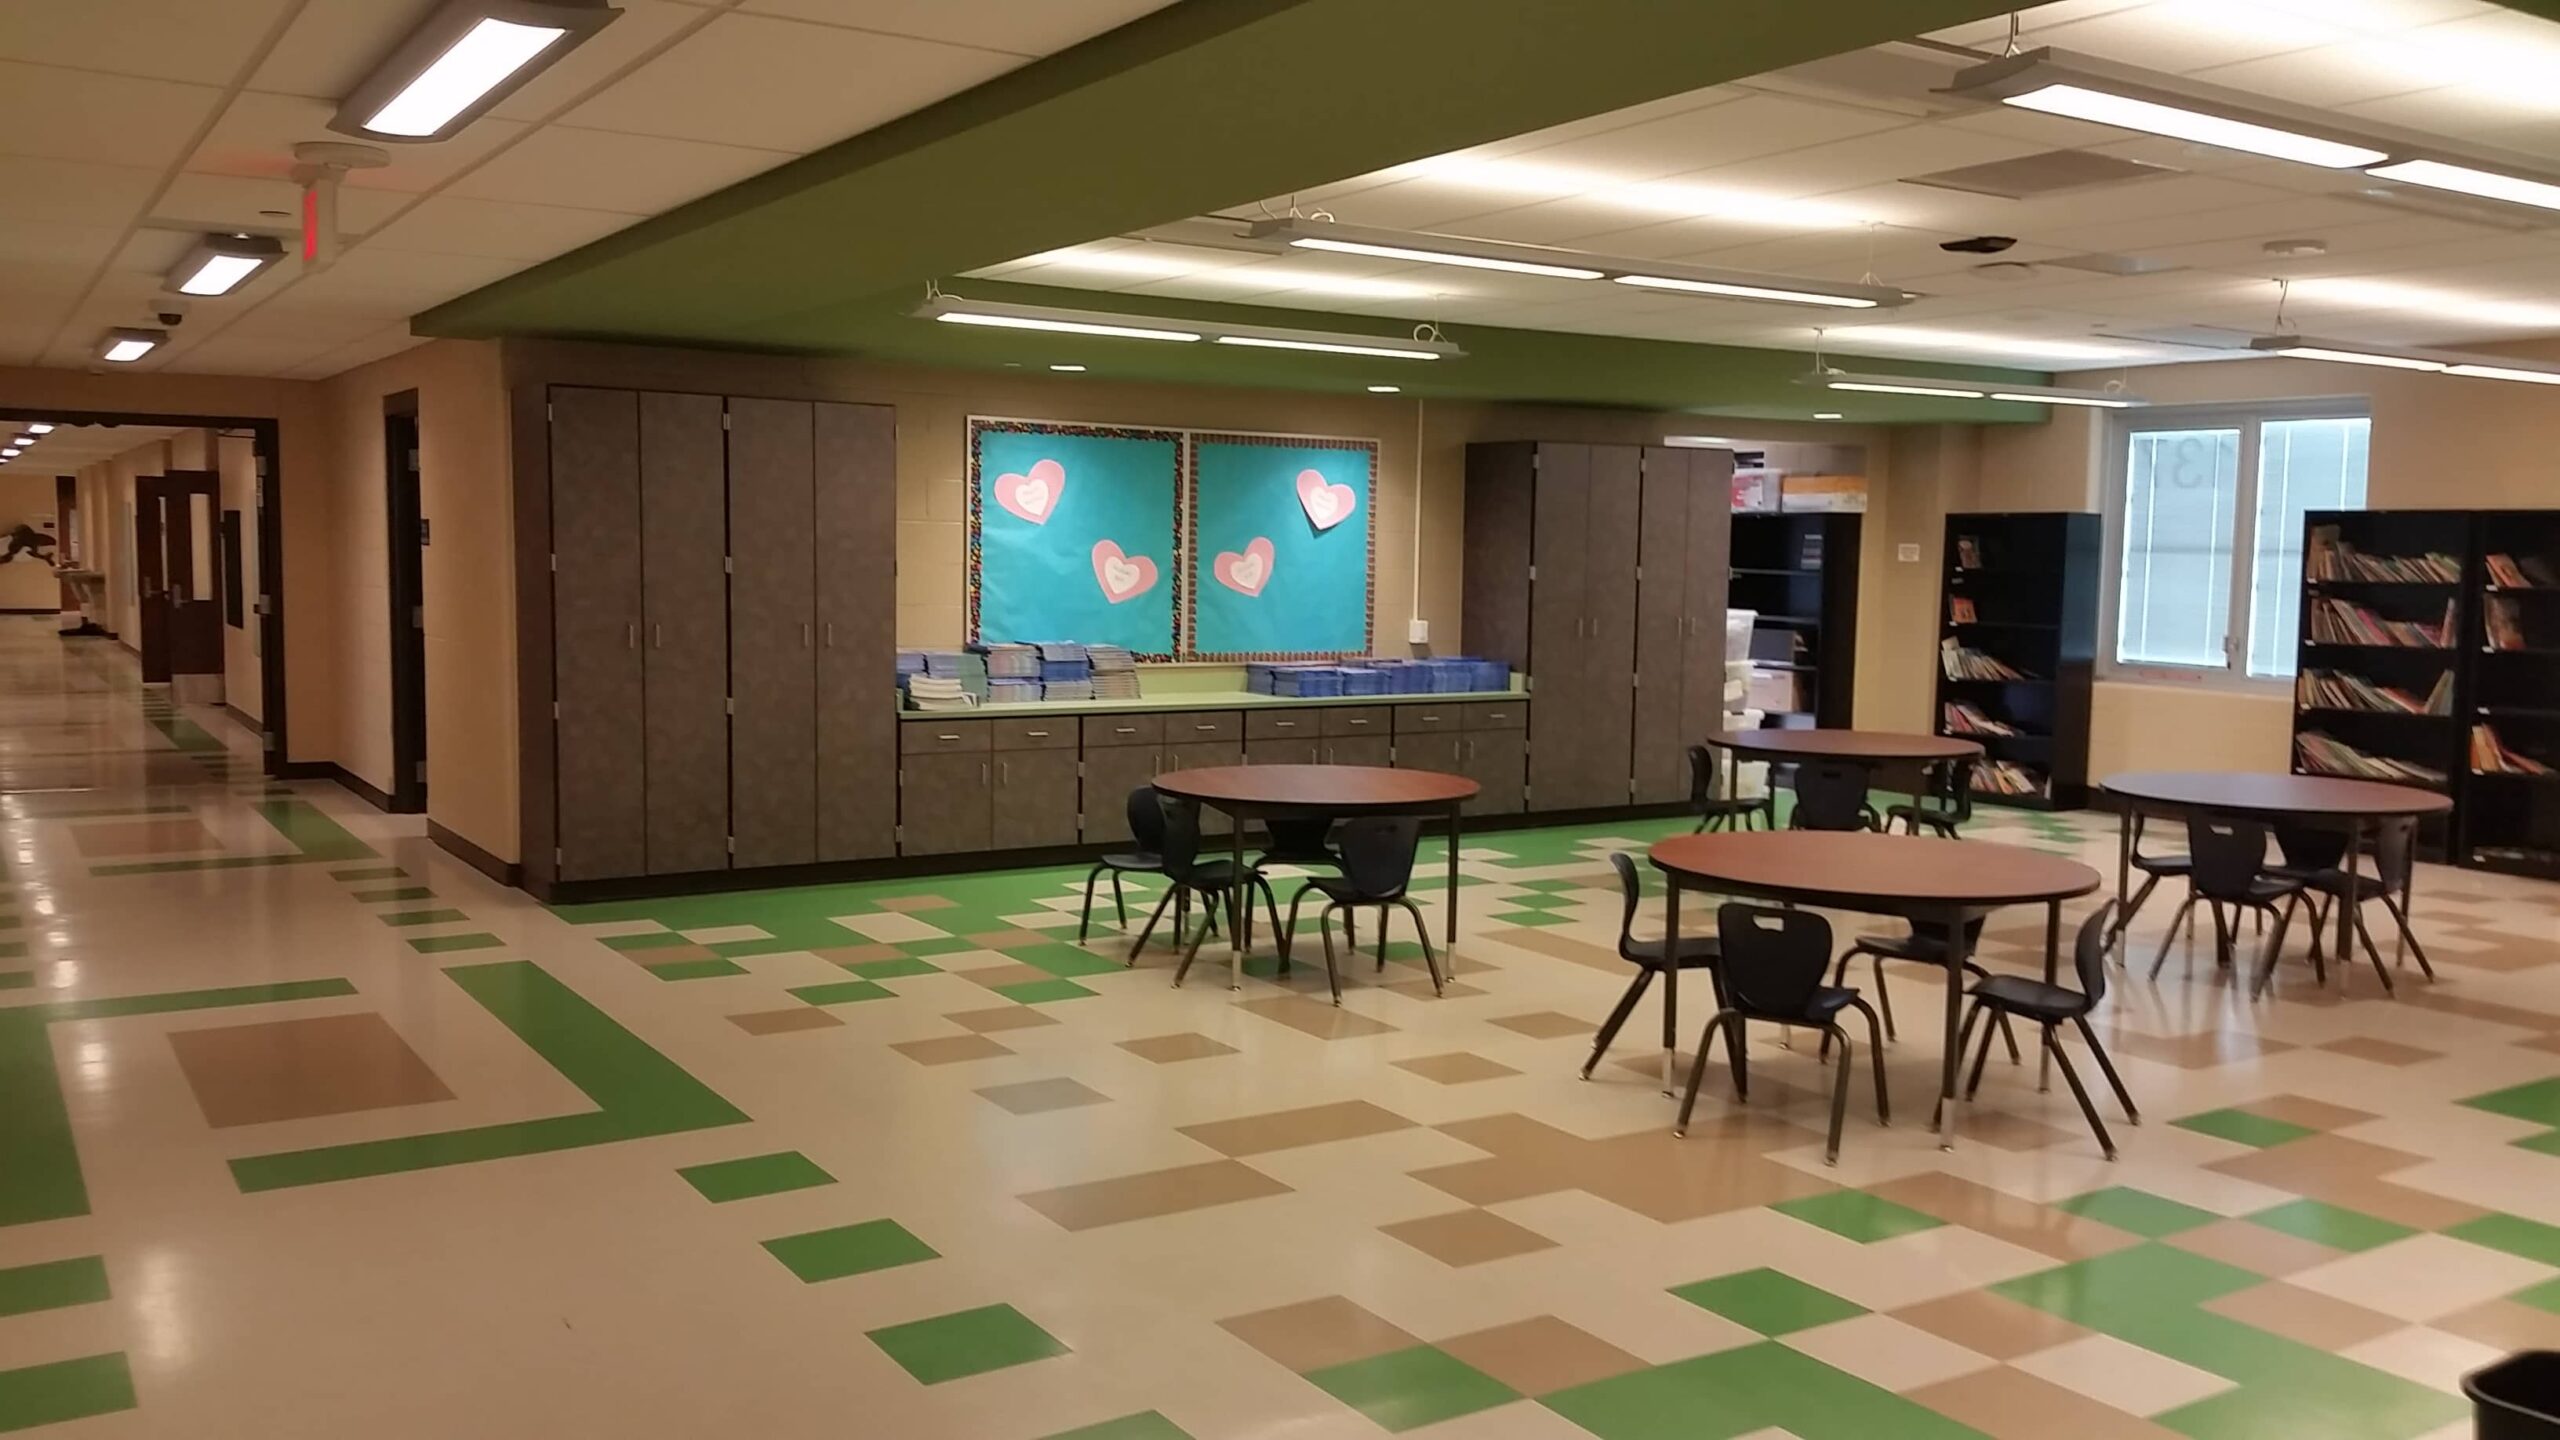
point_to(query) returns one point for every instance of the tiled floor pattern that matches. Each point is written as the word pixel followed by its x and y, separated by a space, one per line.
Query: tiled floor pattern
pixel 286 1093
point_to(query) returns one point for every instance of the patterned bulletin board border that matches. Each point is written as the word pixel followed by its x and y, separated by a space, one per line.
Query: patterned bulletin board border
pixel 1365 452
pixel 983 426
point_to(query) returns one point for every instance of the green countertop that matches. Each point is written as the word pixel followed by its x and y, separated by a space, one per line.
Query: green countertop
pixel 1201 700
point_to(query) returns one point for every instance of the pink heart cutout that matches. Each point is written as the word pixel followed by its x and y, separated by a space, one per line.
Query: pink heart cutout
pixel 1033 497
pixel 1247 573
pixel 1326 505
pixel 1122 576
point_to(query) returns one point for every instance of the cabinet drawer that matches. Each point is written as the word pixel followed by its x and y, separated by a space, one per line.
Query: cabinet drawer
pixel 1423 719
pixel 955 737
pixel 1495 715
pixel 1196 727
pixel 1282 724
pixel 1359 720
pixel 1023 734
pixel 1100 730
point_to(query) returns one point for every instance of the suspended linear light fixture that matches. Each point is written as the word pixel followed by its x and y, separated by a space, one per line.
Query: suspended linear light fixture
pixel 466 57
pixel 126 344
pixel 220 264
pixel 1004 315
pixel 2471 365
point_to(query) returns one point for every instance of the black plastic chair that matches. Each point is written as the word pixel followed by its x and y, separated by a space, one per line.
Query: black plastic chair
pixel 2227 870
pixel 1770 965
pixel 1716 812
pixel 1209 880
pixel 1832 795
pixel 1920 946
pixel 2395 846
pixel 1948 804
pixel 2050 1007
pixel 1377 866
pixel 2154 868
pixel 1146 828
pixel 1695 952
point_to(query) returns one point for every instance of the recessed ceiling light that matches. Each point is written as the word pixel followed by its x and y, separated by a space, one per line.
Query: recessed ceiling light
pixel 468 56
pixel 1826 414
pixel 39 427
pixel 124 345
pixel 8 454
pixel 1068 369
pixel 1386 389
pixel 220 264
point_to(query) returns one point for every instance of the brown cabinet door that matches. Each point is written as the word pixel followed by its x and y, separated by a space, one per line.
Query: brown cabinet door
pixel 1662 563
pixel 1559 627
pixel 1441 750
pixel 773 643
pixel 1709 566
pixel 1304 749
pixel 600 752
pixel 1202 755
pixel 1497 761
pixel 855 452
pixel 1110 773
pixel 685 646
pixel 1605 717
pixel 1035 798
pixel 945 803
pixel 1359 750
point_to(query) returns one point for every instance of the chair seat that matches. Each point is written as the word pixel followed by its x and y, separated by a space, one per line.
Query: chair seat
pixel 1917 947
pixel 1214 874
pixel 1346 891
pixel 2334 882
pixel 1924 810
pixel 1134 860
pixel 2167 867
pixel 1321 855
pixel 1697 952
pixel 2273 887
pixel 1822 1008
pixel 2033 999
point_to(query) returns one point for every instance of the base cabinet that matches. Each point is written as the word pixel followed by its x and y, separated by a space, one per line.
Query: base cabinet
pixel 1497 760
pixel 1359 750
pixel 1110 773
pixel 946 803
pixel 1034 799
pixel 1204 755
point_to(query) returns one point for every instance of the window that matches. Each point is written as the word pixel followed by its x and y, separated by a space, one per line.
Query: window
pixel 2208 510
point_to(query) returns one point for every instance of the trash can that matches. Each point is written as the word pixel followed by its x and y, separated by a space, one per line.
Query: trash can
pixel 2518 1398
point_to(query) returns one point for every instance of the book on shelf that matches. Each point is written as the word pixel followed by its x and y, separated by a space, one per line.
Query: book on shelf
pixel 2490 756
pixel 1968 553
pixel 2321 754
pixel 2006 777
pixel 1959 610
pixel 1963 662
pixel 2343 622
pixel 2533 572
pixel 2326 557
pixel 1960 718
pixel 2338 690
pixel 2502 620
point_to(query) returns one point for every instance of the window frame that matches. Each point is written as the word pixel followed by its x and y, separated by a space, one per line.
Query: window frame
pixel 2250 418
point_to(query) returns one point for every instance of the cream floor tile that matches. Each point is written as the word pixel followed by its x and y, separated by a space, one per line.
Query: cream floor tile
pixel 2423 1354
pixel 2121 1376
pixel 1887 1352
pixel 2422 1277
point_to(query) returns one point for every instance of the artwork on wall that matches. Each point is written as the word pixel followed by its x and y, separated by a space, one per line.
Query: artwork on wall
pixel 1074 534
pixel 1281 532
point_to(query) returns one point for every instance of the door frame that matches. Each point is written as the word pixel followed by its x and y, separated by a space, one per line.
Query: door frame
pixel 406 540
pixel 266 444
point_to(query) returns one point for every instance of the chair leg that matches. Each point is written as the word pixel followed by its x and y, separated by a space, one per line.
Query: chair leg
pixel 1271 908
pixel 2107 1068
pixel 1698 1071
pixel 1884 998
pixel 1421 932
pixel 2008 1037
pixel 1875 1061
pixel 2185 909
pixel 2365 937
pixel 1170 895
pixel 1981 1055
pixel 2272 951
pixel 1964 1043
pixel 2319 931
pixel 1382 940
pixel 2079 1092
pixel 1839 1092
pixel 1084 927
pixel 1324 930
pixel 2400 917
pixel 1191 951
pixel 2134 906
pixel 1119 900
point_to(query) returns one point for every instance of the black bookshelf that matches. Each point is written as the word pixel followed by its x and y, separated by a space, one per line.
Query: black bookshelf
pixel 2510 822
pixel 1799 573
pixel 2021 592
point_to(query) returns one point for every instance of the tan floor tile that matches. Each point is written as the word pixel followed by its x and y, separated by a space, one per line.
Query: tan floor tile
pixel 2380 1052
pixel 1002 1017
pixel 1419 988
pixel 950 1049
pixel 2008 1404
pixel 857 954
pixel 993 976
pixel 2304 1111
pixel 2424 997
pixel 1990 1324
pixel 1151 1193
pixel 2320 1321
pixel 914 904
pixel 2194 1052
pixel 2502 960
pixel 2401 1204
pixel 1290 1129
pixel 1546 941
pixel 2254 1248
pixel 2547 1044
pixel 1547 1025
pixel 2017 1133
pixel 121 839
pixel 1996 1213
pixel 1316 1017
pixel 1318 1334
pixel 1035 1097
pixel 1720 1167
pixel 781 1022
pixel 668 954
pixel 2423 1276
pixel 1887 1353
pixel 2124 1375
pixel 1541 1355
pixel 1010 939
pixel 294 1069
pixel 2306 1166
pixel 2504 1325
pixel 1455 1068
pixel 1468 1237
pixel 1172 1049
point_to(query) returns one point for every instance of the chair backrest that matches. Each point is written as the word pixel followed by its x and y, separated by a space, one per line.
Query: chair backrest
pixel 1630 889
pixel 1146 820
pixel 1180 843
pixel 2395 848
pixel 1377 853
pixel 1931 939
pixel 1774 960
pixel 1702 775
pixel 1830 795
pixel 2310 847
pixel 2228 853
pixel 2089 953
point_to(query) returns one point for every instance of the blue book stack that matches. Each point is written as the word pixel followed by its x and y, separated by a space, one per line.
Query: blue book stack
pixel 1260 677
pixel 1309 682
pixel 1007 690
pixel 1364 680
pixel 910 662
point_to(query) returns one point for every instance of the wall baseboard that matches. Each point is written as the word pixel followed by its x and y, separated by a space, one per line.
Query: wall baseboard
pixel 30 610
pixel 247 721
pixel 502 871
pixel 338 775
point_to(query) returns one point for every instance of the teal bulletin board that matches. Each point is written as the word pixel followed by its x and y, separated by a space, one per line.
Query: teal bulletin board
pixel 1073 533
pixel 1281 547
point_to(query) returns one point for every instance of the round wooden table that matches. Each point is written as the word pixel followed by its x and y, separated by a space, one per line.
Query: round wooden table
pixel 1255 792
pixel 1863 746
pixel 1923 880
pixel 2321 799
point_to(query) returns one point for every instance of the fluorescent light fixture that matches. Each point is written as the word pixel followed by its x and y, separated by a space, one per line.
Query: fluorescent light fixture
pixel 1748 292
pixel 1826 415
pixel 1068 369
pixel 2504 372
pixel 2470 365
pixel 2057 82
pixel 8 454
pixel 997 315
pixel 38 427
pixel 220 264
pixel 1441 257
pixel 1328 347
pixel 123 346
pixel 2091 402
pixel 466 57
pixel 2487 184
pixel 1697 442
pixel 1386 389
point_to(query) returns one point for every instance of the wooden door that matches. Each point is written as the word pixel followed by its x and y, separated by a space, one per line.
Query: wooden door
pixel 1708 564
pixel 190 529
pixel 1497 761
pixel 1609 598
pixel 773 639
pixel 1110 773
pixel 595 619
pixel 856 448
pixel 1034 799
pixel 1662 562
pixel 150 579
pixel 1559 626
pixel 685 644
pixel 946 803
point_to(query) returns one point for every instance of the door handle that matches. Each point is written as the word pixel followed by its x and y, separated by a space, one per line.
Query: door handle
pixel 982 772
pixel 831 634
pixel 631 635
pixel 808 634
pixel 1004 772
pixel 657 637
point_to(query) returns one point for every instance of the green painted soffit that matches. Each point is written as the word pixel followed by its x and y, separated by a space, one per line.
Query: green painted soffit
pixel 1527 366
pixel 1202 105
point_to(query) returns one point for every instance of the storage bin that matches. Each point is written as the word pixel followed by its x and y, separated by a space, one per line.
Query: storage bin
pixel 2518 1398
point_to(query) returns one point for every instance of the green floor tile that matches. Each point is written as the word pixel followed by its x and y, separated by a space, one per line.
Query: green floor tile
pixel 1541 901
pixel 392 892
pixel 2545 1296
pixel 1552 887
pixel 13 950
pixel 1064 961
pixel 1146 1426
pixel 1406 1389
pixel 422 917
pixel 1763 1387
pixel 722 1181
pixel 446 944
pixel 935 945
pixel 897 969
pixel 1531 918
pixel 2330 1225
pixel 1858 1215
pixel 2141 1280
pixel 645 940
pixel 2145 1214
pixel 696 969
pixel 833 1254
pixel 1040 992
pixel 1767 1301
pixel 2546 1143
pixel 840 992
pixel 968 1342
pixel 2514 1234
pixel 2538 1102
pixel 2241 1126
pixel 52 1285
pixel 17 979
pixel 370 872
pixel 65 1390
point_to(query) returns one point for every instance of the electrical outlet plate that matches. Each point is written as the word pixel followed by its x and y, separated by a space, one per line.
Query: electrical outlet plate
pixel 1417 632
pixel 1907 554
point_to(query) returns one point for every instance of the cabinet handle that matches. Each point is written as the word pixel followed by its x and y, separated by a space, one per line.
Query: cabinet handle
pixel 1284 724
pixel 946 737
pixel 1004 772
pixel 1471 749
pixel 1328 754
pixel 1204 727
pixel 657 637
pixel 1124 729
pixel 831 634
pixel 982 772
pixel 807 634
pixel 631 635
pixel 1035 734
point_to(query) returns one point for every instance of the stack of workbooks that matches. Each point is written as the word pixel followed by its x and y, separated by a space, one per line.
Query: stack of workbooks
pixel 1962 662
pixel 2326 557
pixel 1963 719
pixel 2490 756
pixel 2343 622
pixel 2531 573
pixel 2327 755
pixel 2338 690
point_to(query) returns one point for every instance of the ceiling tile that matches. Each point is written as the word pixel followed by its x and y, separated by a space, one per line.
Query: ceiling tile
pixel 1749 127
pixel 154 39
pixel 67 192
pixel 644 27
pixel 452 225
pixel 603 170
pixel 1007 25
pixel 256 136
pixel 112 119
pixel 333 44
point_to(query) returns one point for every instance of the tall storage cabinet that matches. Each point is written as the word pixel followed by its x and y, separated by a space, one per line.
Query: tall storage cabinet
pixel 1680 589
pixel 685 645
pixel 595 617
pixel 773 646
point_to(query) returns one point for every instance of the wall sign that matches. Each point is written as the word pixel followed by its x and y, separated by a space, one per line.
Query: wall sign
pixel 1073 534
